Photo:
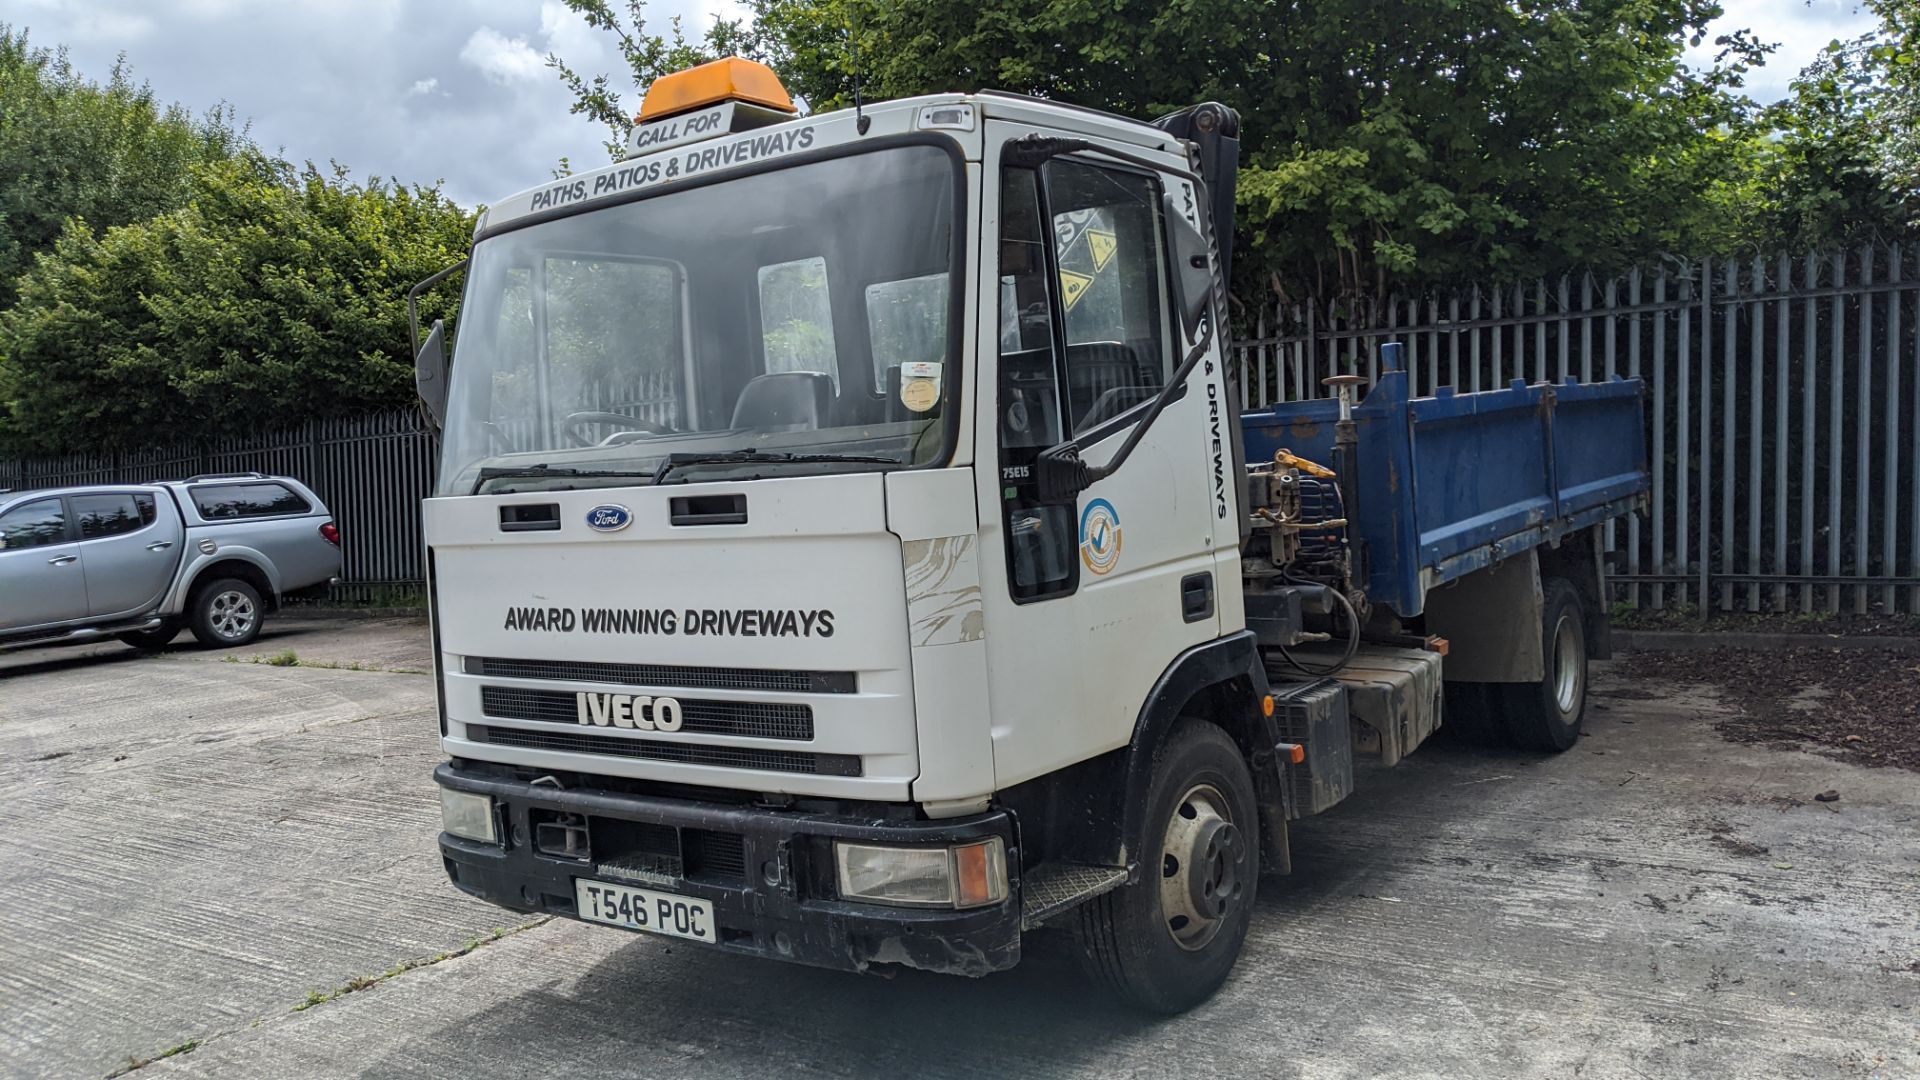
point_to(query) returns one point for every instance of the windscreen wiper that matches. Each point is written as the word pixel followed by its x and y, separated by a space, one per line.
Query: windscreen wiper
pixel 544 471
pixel 754 457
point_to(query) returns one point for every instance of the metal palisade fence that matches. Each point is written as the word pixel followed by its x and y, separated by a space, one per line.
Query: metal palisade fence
pixel 1783 398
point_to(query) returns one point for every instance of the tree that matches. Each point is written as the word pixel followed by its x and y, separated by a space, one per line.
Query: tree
pixel 274 296
pixel 1413 141
pixel 1841 155
pixel 647 56
pixel 106 154
pixel 1408 141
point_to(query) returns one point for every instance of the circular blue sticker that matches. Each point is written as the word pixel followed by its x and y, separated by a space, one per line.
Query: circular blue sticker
pixel 1100 536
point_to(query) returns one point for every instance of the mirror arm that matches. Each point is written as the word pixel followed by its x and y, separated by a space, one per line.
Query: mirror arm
pixel 413 299
pixel 1063 462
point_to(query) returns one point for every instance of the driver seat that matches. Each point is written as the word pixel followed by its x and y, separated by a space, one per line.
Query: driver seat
pixel 784 401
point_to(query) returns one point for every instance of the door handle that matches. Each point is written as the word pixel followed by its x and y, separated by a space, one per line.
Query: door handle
pixel 160 545
pixel 61 560
pixel 1196 596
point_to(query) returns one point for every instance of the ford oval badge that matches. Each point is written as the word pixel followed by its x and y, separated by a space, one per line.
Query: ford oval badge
pixel 609 518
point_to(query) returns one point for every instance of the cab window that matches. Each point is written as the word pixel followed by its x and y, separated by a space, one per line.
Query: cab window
pixel 101 516
pixel 1082 339
pixel 1041 555
pixel 37 524
pixel 1107 241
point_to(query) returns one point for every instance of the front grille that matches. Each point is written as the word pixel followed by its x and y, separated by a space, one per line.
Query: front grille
pixel 726 757
pixel 696 678
pixel 754 719
pixel 715 854
pixel 649 854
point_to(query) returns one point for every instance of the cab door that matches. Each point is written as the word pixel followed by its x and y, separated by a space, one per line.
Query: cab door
pixel 1087 604
pixel 128 547
pixel 41 580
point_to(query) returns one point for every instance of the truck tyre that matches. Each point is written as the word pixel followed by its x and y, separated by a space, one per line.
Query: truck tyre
pixel 225 613
pixel 1166 942
pixel 1546 715
pixel 157 638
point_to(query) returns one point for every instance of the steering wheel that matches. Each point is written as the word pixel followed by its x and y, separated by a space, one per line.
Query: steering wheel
pixel 572 426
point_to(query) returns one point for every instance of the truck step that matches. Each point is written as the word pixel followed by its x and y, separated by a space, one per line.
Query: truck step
pixel 1051 888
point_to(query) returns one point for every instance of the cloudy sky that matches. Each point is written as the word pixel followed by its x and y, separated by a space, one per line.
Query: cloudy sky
pixel 456 90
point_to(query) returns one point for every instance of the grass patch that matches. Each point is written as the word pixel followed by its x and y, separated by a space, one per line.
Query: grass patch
pixel 132 1064
pixel 283 658
pixel 366 982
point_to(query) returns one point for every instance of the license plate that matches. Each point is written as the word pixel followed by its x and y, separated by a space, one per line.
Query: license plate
pixel 644 909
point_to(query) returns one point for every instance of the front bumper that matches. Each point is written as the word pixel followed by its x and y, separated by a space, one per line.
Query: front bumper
pixel 768 873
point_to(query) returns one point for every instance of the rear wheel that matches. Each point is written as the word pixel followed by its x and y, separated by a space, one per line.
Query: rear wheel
pixel 157 638
pixel 1166 942
pixel 1546 715
pixel 226 613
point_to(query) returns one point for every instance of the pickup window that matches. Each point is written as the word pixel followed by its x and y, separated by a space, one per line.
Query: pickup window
pixel 102 516
pixel 227 502
pixel 38 523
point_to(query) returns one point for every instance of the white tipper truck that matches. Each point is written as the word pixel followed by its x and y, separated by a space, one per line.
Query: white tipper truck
pixel 844 549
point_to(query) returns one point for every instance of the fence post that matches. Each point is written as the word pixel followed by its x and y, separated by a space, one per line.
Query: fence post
pixel 1756 400
pixel 1890 496
pixel 1863 428
pixel 1660 555
pixel 1808 368
pixel 1836 423
pixel 1782 319
pixel 1730 430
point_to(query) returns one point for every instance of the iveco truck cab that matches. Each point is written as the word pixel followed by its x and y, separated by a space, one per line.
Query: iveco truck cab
pixel 842 548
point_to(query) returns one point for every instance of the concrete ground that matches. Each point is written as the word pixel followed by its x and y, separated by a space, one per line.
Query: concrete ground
pixel 193 851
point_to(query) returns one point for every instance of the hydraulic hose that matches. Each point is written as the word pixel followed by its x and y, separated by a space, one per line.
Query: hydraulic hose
pixel 1353 640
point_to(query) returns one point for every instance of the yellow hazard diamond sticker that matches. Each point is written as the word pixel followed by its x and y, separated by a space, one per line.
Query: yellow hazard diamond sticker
pixel 1103 245
pixel 1073 286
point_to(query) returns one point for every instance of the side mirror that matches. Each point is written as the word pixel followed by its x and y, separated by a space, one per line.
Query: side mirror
pixel 1192 268
pixel 430 373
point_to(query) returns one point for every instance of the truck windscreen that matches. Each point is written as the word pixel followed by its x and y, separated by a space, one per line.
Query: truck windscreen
pixel 791 321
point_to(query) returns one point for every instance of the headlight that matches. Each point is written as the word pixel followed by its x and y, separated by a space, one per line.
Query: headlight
pixel 965 876
pixel 467 815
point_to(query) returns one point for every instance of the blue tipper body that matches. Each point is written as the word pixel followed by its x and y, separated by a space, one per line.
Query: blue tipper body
pixel 1453 483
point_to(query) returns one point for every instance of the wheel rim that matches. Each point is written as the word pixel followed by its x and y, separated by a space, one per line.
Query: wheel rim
pixel 1203 860
pixel 1568 672
pixel 231 614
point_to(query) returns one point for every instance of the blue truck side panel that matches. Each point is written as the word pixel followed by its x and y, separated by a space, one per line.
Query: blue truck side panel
pixel 1453 483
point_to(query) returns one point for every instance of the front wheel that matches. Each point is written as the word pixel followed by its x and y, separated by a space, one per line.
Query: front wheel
pixel 226 613
pixel 1166 942
pixel 1546 715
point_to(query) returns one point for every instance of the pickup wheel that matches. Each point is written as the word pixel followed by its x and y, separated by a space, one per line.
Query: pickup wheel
pixel 225 613
pixel 1546 715
pixel 158 638
pixel 1166 942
